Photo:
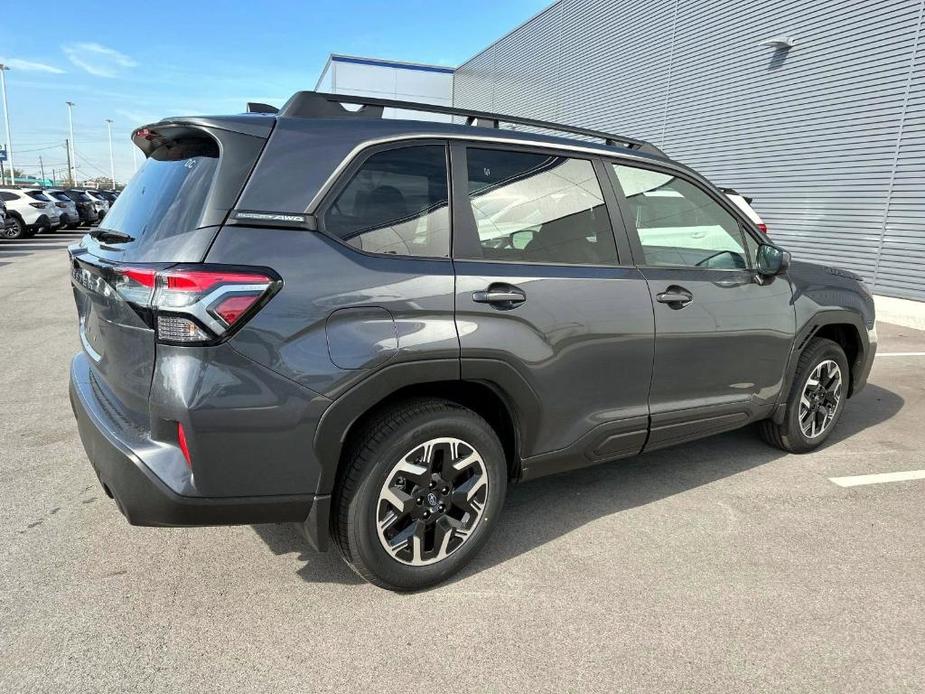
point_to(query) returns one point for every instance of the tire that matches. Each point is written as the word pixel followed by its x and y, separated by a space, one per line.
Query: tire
pixel 17 231
pixel 817 414
pixel 455 530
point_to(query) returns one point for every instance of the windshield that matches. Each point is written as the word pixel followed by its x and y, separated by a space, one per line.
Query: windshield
pixel 167 195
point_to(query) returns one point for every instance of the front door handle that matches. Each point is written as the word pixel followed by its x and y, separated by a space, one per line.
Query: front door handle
pixel 676 297
pixel 503 296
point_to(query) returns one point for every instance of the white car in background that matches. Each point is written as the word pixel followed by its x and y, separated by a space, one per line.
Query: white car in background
pixel 30 210
pixel 744 203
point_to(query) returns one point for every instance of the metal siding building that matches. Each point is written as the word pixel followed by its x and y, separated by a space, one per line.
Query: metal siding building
pixel 828 136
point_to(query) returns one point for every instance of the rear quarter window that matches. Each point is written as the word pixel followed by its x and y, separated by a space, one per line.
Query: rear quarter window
pixel 396 204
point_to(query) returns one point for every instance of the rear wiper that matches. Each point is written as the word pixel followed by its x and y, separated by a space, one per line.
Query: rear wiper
pixel 111 236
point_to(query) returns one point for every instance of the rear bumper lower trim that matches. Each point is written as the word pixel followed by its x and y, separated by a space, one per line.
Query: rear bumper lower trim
pixel 144 499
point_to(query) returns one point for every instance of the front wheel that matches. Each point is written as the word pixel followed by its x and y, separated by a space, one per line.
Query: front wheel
pixel 16 230
pixel 423 487
pixel 816 400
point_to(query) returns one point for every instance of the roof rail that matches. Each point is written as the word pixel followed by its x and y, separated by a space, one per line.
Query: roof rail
pixel 323 105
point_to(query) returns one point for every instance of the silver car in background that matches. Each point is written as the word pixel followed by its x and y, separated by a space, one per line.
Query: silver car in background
pixel 100 201
pixel 70 217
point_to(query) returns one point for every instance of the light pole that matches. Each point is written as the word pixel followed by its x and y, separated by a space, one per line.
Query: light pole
pixel 70 124
pixel 112 166
pixel 6 117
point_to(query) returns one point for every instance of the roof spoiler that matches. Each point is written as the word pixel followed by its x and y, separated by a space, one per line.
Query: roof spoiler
pixel 257 107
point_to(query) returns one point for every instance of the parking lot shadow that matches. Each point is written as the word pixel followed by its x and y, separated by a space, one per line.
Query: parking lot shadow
pixel 320 567
pixel 540 511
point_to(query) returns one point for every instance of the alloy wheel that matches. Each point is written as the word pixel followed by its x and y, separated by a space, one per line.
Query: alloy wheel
pixel 431 501
pixel 14 230
pixel 819 399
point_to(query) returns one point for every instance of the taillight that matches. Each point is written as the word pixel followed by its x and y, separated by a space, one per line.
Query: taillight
pixel 763 228
pixel 61 205
pixel 195 304
pixel 38 205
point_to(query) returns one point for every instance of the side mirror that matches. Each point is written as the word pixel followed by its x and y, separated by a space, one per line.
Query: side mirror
pixel 772 260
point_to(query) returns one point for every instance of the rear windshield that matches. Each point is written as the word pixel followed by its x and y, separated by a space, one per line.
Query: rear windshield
pixel 38 195
pixel 61 196
pixel 167 195
pixel 77 196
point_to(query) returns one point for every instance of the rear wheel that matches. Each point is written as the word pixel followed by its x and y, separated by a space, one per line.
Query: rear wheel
pixel 816 401
pixel 424 485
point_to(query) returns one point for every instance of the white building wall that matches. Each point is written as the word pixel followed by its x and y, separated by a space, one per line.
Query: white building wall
pixel 828 137
pixel 386 79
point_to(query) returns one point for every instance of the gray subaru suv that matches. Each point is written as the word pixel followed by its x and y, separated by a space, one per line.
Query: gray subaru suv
pixel 370 327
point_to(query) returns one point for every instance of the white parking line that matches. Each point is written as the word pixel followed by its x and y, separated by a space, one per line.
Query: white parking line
pixel 901 354
pixel 858 480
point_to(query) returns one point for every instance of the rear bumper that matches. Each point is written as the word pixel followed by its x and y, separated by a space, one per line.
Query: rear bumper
pixel 144 499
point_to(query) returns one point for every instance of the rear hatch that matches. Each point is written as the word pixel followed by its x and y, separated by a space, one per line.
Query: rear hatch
pixel 167 217
pixel 42 202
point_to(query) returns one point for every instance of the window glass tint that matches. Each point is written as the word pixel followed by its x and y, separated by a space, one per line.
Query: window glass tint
pixel 38 195
pixel 8 196
pixel 679 224
pixel 61 196
pixel 538 208
pixel 396 203
pixel 167 195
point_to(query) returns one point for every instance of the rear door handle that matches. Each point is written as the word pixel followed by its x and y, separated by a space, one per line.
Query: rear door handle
pixel 675 296
pixel 500 296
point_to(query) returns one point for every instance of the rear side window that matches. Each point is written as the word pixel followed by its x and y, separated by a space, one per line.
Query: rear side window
pixel 396 203
pixel 168 193
pixel 8 196
pixel 538 208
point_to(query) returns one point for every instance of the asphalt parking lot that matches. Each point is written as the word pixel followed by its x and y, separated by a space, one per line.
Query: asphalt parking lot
pixel 719 565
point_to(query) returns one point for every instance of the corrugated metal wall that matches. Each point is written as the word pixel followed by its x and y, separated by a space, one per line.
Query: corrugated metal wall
pixel 829 137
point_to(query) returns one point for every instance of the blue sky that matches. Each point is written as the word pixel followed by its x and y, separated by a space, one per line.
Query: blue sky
pixel 136 62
